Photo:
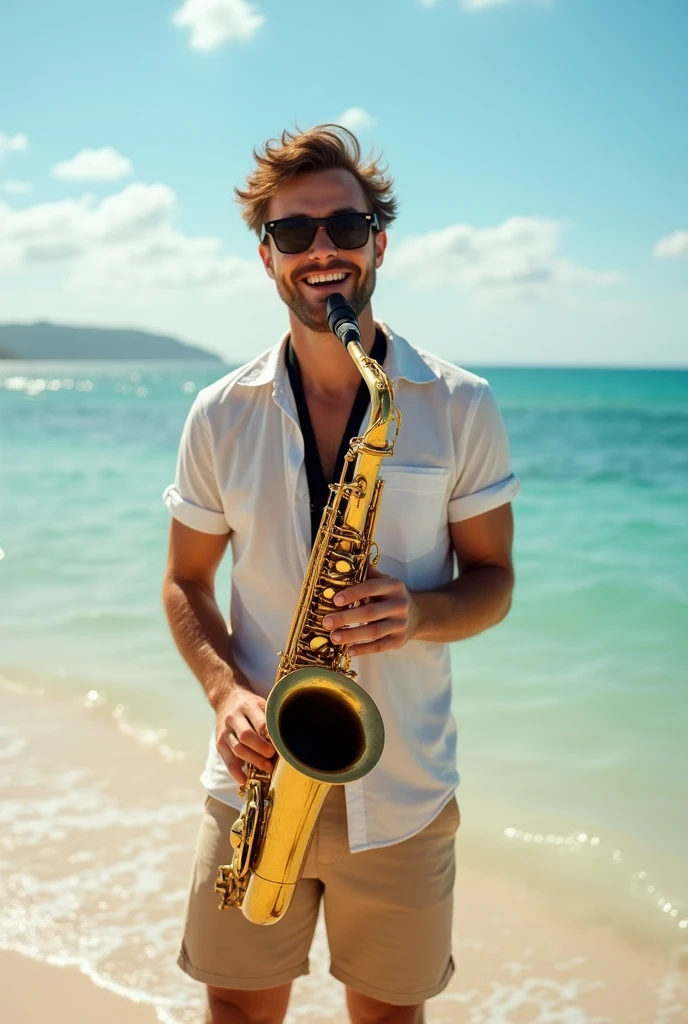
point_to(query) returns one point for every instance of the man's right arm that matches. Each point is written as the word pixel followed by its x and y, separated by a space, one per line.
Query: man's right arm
pixel 203 640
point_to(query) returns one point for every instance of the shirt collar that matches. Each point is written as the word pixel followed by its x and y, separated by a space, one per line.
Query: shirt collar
pixel 267 368
pixel 403 361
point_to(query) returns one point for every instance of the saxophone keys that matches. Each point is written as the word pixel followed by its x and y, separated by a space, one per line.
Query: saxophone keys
pixel 224 886
pixel 343 567
pixel 329 593
pixel 317 642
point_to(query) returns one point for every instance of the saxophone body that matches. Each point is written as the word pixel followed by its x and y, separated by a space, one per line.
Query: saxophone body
pixel 326 729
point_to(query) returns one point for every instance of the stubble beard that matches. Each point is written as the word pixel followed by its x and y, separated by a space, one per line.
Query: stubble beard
pixel 316 320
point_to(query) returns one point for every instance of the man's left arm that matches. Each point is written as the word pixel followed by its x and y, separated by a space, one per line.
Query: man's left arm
pixel 479 597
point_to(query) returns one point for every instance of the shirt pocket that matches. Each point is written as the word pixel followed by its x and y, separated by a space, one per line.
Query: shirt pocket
pixel 412 509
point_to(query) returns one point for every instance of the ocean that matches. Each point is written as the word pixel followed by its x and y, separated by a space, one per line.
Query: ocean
pixel 572 714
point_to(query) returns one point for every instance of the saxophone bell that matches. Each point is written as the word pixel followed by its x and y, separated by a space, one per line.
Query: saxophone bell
pixel 325 725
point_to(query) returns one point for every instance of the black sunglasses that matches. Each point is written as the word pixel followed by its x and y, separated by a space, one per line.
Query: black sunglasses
pixel 296 234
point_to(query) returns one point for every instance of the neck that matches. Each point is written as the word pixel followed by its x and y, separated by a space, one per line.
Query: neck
pixel 327 369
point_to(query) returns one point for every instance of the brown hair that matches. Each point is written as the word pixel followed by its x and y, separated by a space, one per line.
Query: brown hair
pixel 321 148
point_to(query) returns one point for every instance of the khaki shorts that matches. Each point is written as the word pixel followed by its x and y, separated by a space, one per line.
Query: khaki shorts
pixel 388 912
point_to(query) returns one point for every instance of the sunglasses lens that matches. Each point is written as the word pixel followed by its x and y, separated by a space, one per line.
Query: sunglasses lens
pixel 348 230
pixel 294 234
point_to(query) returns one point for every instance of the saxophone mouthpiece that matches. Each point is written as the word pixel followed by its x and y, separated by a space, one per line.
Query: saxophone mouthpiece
pixel 342 320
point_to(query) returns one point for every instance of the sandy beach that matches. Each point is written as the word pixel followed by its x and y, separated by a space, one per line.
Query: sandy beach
pixel 34 991
pixel 97 839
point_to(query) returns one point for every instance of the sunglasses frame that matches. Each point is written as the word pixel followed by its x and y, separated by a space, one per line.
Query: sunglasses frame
pixel 316 222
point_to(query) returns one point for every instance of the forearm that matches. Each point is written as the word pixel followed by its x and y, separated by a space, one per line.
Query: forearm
pixel 479 598
pixel 203 640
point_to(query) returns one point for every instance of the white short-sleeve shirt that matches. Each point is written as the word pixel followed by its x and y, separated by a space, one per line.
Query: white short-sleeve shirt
pixel 241 469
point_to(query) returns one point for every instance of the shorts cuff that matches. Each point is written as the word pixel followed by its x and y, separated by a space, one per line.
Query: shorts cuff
pixel 235 982
pixel 392 997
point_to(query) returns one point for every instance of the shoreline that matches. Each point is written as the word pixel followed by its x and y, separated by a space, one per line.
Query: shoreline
pixel 95 869
pixel 520 964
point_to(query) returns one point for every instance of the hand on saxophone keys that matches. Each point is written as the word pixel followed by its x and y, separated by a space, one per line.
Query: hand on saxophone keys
pixel 379 614
pixel 241 734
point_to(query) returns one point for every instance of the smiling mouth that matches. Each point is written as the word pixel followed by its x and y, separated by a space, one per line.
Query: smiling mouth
pixel 322 280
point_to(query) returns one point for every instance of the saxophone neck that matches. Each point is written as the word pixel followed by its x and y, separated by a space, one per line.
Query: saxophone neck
pixel 343 322
pixel 381 391
pixel 374 446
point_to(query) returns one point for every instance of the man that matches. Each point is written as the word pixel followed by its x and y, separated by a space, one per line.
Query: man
pixel 258 451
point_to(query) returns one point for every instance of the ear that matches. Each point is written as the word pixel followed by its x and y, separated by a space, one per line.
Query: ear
pixel 380 246
pixel 266 256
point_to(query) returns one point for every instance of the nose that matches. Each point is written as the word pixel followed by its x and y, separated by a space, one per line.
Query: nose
pixel 322 245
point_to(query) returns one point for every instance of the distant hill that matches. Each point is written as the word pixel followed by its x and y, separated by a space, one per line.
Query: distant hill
pixel 56 341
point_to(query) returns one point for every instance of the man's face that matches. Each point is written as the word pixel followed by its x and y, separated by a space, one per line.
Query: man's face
pixel 320 194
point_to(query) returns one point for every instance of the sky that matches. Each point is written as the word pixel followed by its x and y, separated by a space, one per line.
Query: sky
pixel 539 151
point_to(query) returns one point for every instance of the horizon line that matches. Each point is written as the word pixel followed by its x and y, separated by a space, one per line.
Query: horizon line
pixel 659 367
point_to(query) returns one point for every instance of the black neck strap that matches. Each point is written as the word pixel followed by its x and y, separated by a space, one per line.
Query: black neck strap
pixel 318 486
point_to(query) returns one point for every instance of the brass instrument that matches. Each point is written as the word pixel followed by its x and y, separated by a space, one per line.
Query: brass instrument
pixel 325 728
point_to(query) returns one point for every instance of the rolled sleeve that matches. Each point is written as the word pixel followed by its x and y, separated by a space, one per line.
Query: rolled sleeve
pixel 194 497
pixel 483 501
pixel 205 520
pixel 486 480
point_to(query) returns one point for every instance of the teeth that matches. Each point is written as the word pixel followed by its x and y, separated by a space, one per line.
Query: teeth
pixel 325 278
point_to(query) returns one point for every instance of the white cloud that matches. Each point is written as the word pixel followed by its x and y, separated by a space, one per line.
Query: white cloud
pixel 132 214
pixel 356 119
pixel 516 259
pixel 126 240
pixel 9 143
pixel 124 217
pixel 214 22
pixel 16 188
pixel 672 246
pixel 104 164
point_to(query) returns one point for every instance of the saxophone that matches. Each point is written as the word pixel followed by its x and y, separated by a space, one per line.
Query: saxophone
pixel 325 728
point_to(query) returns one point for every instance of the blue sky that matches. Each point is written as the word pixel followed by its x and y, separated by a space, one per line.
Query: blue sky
pixel 530 140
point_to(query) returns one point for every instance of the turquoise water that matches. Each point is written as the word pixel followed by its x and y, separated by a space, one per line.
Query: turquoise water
pixel 573 714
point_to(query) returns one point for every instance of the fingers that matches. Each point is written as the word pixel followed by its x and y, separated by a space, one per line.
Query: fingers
pixel 245 743
pixel 236 754
pixel 372 588
pixel 242 738
pixel 244 753
pixel 377 617
pixel 376 610
pixel 373 637
pixel 384 628
pixel 253 731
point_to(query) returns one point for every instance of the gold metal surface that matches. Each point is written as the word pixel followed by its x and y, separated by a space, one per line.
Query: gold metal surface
pixel 325 728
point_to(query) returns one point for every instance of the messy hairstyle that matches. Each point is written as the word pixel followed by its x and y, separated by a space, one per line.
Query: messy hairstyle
pixel 323 148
